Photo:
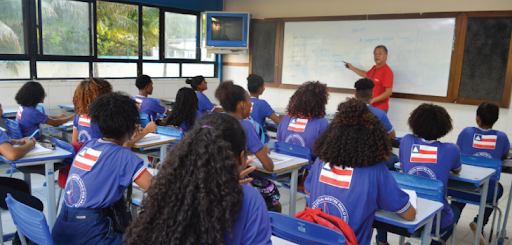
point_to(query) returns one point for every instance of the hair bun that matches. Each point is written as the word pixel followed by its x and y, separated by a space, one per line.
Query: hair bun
pixel 188 80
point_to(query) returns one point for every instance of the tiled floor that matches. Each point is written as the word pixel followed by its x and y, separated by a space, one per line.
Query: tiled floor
pixel 463 236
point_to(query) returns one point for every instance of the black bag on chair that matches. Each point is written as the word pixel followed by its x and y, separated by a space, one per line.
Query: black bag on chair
pixel 120 213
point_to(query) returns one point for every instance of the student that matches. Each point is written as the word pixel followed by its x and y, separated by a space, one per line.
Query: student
pixel 88 90
pixel 306 116
pixel 195 198
pixel 185 110
pixel 483 141
pixel 260 108
pixel 198 83
pixel 421 154
pixel 349 179
pixel 100 173
pixel 236 101
pixel 147 105
pixel 29 117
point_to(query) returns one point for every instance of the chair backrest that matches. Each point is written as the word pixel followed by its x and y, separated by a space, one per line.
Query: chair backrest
pixel 426 188
pixel 293 150
pixel 144 119
pixel 13 129
pixel 303 232
pixel 29 221
pixel 68 147
pixel 485 163
pixel 170 131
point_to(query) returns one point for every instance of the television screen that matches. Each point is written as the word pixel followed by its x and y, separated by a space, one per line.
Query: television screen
pixel 227 28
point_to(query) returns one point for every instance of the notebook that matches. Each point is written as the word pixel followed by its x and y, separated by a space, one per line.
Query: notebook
pixel 413 198
pixel 38 150
pixel 149 137
pixel 277 159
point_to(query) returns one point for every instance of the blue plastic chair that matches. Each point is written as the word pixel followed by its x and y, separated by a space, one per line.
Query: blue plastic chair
pixel 29 222
pixel 144 119
pixel 170 131
pixel 296 151
pixel 303 232
pixel 13 129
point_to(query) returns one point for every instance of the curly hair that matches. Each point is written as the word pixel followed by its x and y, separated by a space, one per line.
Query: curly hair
pixel 88 90
pixel 254 83
pixel 30 94
pixel 364 88
pixel 229 94
pixel 195 81
pixel 355 138
pixel 308 101
pixel 142 81
pixel 430 121
pixel 184 109
pixel 115 114
pixel 488 112
pixel 195 197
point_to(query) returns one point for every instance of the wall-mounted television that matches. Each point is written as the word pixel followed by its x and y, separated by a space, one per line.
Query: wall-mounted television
pixel 227 30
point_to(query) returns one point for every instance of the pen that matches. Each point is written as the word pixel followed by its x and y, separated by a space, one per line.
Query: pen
pixel 345 64
pixel 35 132
pixel 151 117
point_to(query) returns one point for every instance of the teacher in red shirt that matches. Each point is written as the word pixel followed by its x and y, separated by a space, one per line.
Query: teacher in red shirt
pixel 381 75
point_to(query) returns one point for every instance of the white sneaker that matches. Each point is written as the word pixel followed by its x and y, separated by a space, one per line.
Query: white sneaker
pixel 473 225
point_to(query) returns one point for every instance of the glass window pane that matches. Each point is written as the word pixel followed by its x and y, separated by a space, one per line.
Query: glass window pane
pixel 114 69
pixel 204 55
pixel 14 69
pixel 58 69
pixel 65 27
pixel 161 69
pixel 117 30
pixel 191 70
pixel 150 33
pixel 12 40
pixel 180 35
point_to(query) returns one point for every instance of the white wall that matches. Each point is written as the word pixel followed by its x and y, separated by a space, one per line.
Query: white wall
pixel 400 109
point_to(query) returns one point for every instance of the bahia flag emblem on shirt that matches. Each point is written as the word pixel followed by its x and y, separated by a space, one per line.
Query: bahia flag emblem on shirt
pixel 424 153
pixel 139 102
pixel 484 141
pixel 84 121
pixel 20 111
pixel 297 124
pixel 336 176
pixel 86 158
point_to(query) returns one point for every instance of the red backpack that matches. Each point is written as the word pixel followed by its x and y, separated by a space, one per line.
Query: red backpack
pixel 317 216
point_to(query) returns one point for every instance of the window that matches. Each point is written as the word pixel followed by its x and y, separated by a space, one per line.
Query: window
pixel 191 70
pixel 204 55
pixel 180 35
pixel 150 33
pixel 65 27
pixel 14 69
pixel 62 69
pixel 118 30
pixel 114 69
pixel 161 69
pixel 12 40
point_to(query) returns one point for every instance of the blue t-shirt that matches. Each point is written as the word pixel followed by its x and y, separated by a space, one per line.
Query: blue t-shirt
pixel 383 117
pixel 253 139
pixel 204 103
pixel 260 110
pixel 85 128
pixel 354 194
pixel 183 125
pixel 100 174
pixel 300 131
pixel 4 137
pixel 481 142
pixel 149 106
pixel 29 119
pixel 431 159
pixel 252 225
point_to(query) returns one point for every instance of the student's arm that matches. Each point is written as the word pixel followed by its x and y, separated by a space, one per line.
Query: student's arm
pixel 357 71
pixel 139 134
pixel 392 134
pixel 409 214
pixel 456 171
pixel 59 121
pixel 265 160
pixel 388 92
pixel 75 136
pixel 15 153
pixel 58 117
pixel 144 181
pixel 275 118
pixel 457 163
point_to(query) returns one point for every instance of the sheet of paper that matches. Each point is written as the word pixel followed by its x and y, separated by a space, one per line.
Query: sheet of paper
pixel 150 137
pixel 413 198
pixel 70 123
pixel 275 158
pixel 38 150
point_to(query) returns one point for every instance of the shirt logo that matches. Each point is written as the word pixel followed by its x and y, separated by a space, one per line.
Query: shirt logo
pixel 336 176
pixel 424 153
pixel 376 79
pixel 84 121
pixel 252 104
pixel 20 111
pixel 86 158
pixel 139 101
pixel 298 124
pixel 484 141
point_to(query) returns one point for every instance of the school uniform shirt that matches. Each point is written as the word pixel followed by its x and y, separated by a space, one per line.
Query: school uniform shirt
pixel 100 174
pixel 204 103
pixel 383 117
pixel 431 159
pixel 301 131
pixel 252 225
pixel 354 194
pixel 29 119
pixel 260 110
pixel 252 138
pixel 382 77
pixel 481 142
pixel 184 126
pixel 149 106
pixel 4 137
pixel 85 128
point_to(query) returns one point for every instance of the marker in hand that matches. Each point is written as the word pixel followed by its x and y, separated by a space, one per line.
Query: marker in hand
pixel 35 132
pixel 346 65
pixel 151 117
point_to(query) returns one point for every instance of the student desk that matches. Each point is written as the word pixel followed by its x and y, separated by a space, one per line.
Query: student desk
pixel 272 135
pixel 47 160
pixel 10 112
pixel 474 180
pixel 68 108
pixel 425 213
pixel 156 144
pixel 292 167
pixel 168 101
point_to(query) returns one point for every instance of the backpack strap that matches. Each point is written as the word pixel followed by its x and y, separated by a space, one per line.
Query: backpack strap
pixel 258 128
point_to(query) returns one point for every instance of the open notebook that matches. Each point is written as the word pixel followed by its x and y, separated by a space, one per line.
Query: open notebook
pixel 38 150
pixel 149 137
pixel 277 159
pixel 70 123
pixel 413 198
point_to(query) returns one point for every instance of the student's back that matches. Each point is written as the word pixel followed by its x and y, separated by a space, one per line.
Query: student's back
pixel 488 143
pixel 300 131
pixel 185 110
pixel 260 109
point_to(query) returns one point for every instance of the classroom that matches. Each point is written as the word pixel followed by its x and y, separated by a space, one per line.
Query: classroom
pixel 63 57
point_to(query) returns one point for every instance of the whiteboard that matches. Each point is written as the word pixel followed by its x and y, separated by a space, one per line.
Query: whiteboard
pixel 419 52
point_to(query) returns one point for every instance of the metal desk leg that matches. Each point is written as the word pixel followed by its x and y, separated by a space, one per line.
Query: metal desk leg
pixel 480 221
pixel 26 178
pixel 425 234
pixel 293 192
pixel 503 232
pixel 163 153
pixel 50 191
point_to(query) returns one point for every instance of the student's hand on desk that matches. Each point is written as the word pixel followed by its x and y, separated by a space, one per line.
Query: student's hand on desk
pixel 150 128
pixel 26 141
pixel 245 172
pixel 267 150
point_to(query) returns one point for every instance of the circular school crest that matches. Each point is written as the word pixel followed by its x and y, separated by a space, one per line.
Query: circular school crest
pixel 334 202
pixel 75 192
pixel 422 171
pixel 295 139
pixel 483 154
pixel 84 136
